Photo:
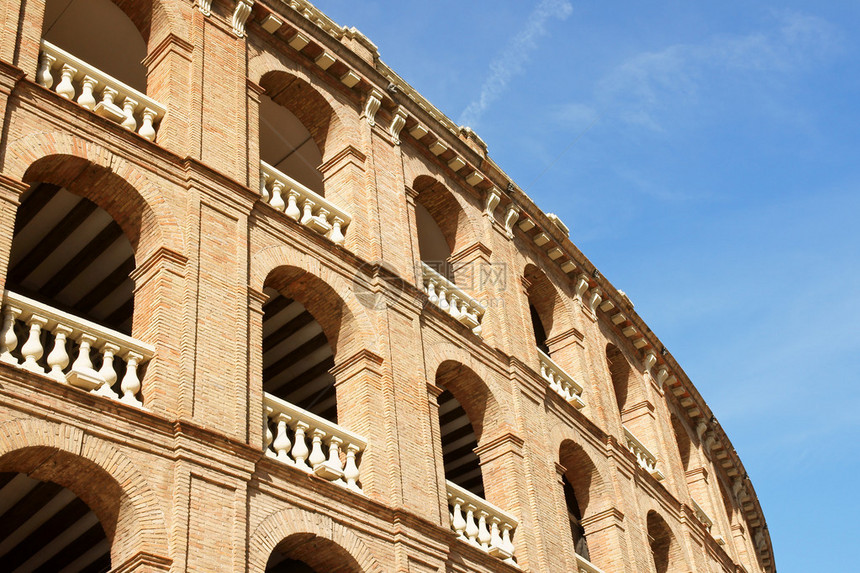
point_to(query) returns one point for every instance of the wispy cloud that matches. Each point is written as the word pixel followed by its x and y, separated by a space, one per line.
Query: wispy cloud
pixel 646 88
pixel 511 60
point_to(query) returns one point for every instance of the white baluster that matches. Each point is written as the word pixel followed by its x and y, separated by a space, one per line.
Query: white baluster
pixel 300 448
pixel 129 106
pixel 337 236
pixel 65 88
pixel 495 537
pixel 431 291
pixel 453 307
pixel 277 200
pixel 269 436
pixel 322 216
pixel 307 213
pixel 44 76
pixel 58 359
pixel 293 211
pixel 507 542
pixel 282 440
pixel 471 526
pixel 82 374
pixel 443 298
pixel 334 454
pixel 317 455
pixel 264 192
pixel 130 382
pixel 484 536
pixel 458 522
pixel 32 349
pixel 107 371
pixel 8 338
pixel 146 128
pixel 87 99
pixel 350 471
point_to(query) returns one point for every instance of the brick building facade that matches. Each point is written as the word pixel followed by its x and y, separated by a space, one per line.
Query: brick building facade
pixel 267 309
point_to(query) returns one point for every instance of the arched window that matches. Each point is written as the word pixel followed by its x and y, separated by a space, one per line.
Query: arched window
pixel 583 495
pixel 46 527
pixel 308 553
pixel 682 438
pixel 100 33
pixel 619 371
pixel 574 515
pixel 665 550
pixel 69 267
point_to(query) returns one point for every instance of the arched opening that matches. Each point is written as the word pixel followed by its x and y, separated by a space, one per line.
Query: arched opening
pixel 73 251
pixel 682 438
pixel 69 253
pixel 462 410
pixel 539 330
pixel 619 371
pixel 664 547
pixel 46 527
pixel 441 225
pixel 308 553
pixel 106 35
pixel 544 304
pixel 295 121
pixel 581 485
pixel 301 323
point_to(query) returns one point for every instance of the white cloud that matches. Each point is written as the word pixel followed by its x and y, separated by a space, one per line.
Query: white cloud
pixel 515 55
pixel 652 85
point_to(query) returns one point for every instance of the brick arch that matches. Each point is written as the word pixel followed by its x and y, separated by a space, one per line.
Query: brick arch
pixel 456 218
pixel 325 117
pixel 103 477
pixel 552 307
pixel 667 553
pixel 284 524
pixel 479 391
pixel 347 332
pixel 55 157
pixel 574 453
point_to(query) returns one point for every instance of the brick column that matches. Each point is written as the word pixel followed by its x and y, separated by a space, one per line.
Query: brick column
pixel 143 563
pixel 159 306
pixel 10 192
pixel 344 181
pixel 168 81
pixel 256 421
pixel 21 40
pixel 361 408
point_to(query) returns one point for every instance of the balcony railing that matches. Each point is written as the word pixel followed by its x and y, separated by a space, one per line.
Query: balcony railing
pixel 702 516
pixel 49 329
pixel 93 89
pixel 481 523
pixel 560 381
pixel 583 565
pixel 450 298
pixel 646 459
pixel 334 453
pixel 303 205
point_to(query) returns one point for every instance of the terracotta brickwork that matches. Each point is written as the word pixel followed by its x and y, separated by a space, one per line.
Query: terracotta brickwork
pixel 183 483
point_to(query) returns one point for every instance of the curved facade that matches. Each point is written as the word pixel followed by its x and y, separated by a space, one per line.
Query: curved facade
pixel 267 309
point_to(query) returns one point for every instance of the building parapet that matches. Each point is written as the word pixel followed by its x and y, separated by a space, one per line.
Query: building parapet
pixel 481 523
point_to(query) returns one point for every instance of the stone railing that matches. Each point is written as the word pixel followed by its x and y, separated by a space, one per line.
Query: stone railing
pixel 481 523
pixel 301 204
pixel 560 381
pixel 334 453
pixel 646 459
pixel 583 565
pixel 46 329
pixel 99 92
pixel 450 298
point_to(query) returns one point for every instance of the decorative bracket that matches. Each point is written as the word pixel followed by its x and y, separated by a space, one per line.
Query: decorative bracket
pixel 650 361
pixel 581 285
pixel 397 123
pixel 594 301
pixel 511 217
pixel 493 198
pixel 374 100
pixel 240 16
pixel 205 6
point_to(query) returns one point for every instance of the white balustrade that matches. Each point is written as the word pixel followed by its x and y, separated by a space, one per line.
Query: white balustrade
pixel 303 205
pixel 702 516
pixel 481 523
pixel 451 299
pixel 646 459
pixel 560 381
pixel 583 565
pixel 93 89
pixel 333 454
pixel 48 331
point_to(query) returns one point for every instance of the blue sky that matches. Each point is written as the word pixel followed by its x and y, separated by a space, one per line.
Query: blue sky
pixel 711 171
